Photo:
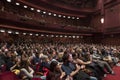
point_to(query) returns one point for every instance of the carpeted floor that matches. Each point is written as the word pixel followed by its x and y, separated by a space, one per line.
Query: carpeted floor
pixel 114 77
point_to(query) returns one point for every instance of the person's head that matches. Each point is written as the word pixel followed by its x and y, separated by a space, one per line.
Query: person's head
pixel 54 66
pixel 74 55
pixel 67 57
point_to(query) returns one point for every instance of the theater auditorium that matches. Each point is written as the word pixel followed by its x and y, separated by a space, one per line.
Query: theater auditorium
pixel 59 39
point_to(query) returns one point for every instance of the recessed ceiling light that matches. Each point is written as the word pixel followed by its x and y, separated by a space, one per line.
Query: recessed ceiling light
pixel 77 17
pixel 9 32
pixel 73 36
pixel 47 35
pixel 59 15
pixel 24 33
pixel 65 36
pixel 31 34
pixel 42 35
pixel 2 30
pixel 8 0
pixel 36 34
pixel 68 17
pixel 38 10
pixel 25 6
pixel 17 3
pixel 61 36
pixel 73 17
pixel 64 16
pixel 49 13
pixel 32 9
pixel 54 15
pixel 44 12
pixel 52 35
pixel 70 36
pixel 77 36
pixel 16 32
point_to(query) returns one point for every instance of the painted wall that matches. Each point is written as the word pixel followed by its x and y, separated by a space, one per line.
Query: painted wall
pixel 112 17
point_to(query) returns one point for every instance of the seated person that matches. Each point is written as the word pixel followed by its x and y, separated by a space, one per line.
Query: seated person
pixel 55 72
pixel 73 70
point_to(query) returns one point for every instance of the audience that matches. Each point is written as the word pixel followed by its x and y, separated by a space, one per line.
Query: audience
pixel 59 61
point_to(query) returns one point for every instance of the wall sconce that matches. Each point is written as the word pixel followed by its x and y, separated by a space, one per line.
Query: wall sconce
pixel 102 20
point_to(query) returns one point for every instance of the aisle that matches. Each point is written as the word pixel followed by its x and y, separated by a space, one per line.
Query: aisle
pixel 114 77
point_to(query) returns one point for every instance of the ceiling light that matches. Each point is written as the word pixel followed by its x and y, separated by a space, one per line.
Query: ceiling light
pixel 36 34
pixel 17 3
pixel 49 13
pixel 59 15
pixel 24 33
pixel 73 17
pixel 73 36
pixel 54 15
pixel 68 17
pixel 52 35
pixel 77 36
pixel 61 36
pixel 64 16
pixel 77 17
pixel 70 36
pixel 47 35
pixel 102 20
pixel 16 32
pixel 2 30
pixel 8 0
pixel 65 36
pixel 32 9
pixel 38 10
pixel 42 35
pixel 25 6
pixel 9 32
pixel 31 34
pixel 44 12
